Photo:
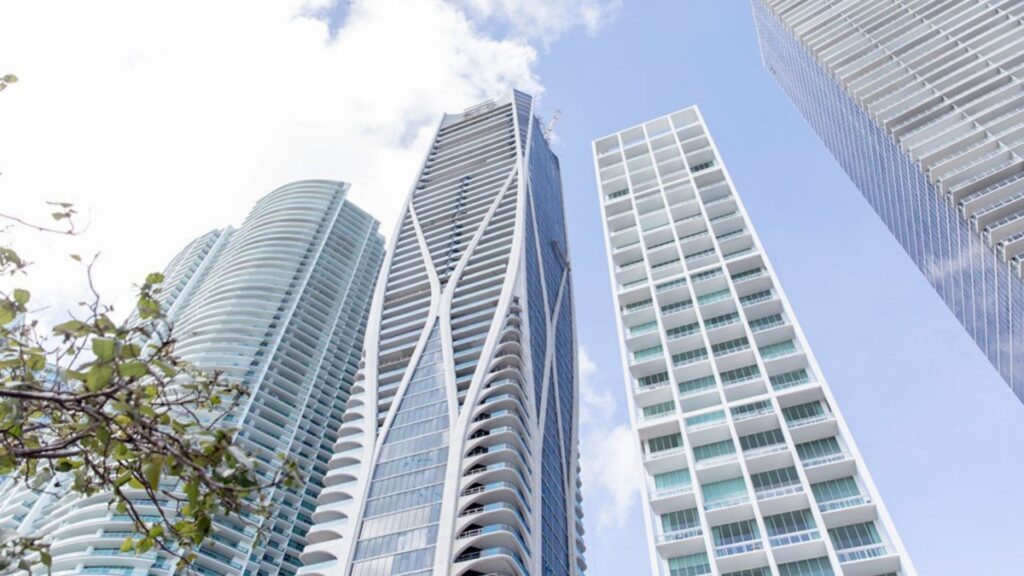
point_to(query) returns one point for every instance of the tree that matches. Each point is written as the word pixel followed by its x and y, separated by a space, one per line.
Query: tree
pixel 105 407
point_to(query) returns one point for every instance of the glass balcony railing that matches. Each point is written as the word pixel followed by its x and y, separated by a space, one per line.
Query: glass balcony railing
pixel 843 503
pixel 779 491
pixel 864 552
pixel 725 503
pixel 665 453
pixel 673 491
pixel 825 459
pixel 794 538
pixel 681 534
pixel 809 420
pixel 741 548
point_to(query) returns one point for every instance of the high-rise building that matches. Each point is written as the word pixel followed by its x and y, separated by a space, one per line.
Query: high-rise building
pixel 458 452
pixel 921 102
pixel 280 305
pixel 749 468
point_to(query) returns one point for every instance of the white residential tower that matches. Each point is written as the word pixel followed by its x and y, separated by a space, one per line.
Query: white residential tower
pixel 749 468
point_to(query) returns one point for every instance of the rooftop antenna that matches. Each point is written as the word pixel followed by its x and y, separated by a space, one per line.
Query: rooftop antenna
pixel 551 124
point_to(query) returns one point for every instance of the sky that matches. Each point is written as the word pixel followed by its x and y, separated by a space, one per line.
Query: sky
pixel 162 121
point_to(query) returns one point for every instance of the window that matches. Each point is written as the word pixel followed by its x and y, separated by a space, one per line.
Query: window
pixel 689 357
pixel 714 450
pixel 777 350
pixel 642 328
pixel 696 385
pixel 808 411
pixel 762 439
pixel 746 275
pixel 692 565
pixel 647 353
pixel 773 479
pixel 790 379
pixel 723 320
pixel 672 479
pixel 670 285
pixel 855 536
pixel 766 322
pixel 653 380
pixel 835 489
pixel 752 409
pixel 706 275
pixel 664 443
pixel 789 522
pixel 683 331
pixel 726 490
pixel 676 307
pixel 818 448
pixel 730 346
pixel 713 296
pixel 740 375
pixel 659 409
pixel 734 533
pixel 704 419
pixel 681 520
pixel 813 567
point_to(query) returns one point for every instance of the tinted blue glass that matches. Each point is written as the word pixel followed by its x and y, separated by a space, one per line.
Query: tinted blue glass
pixel 980 290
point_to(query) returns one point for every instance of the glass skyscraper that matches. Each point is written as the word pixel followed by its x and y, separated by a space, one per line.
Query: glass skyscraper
pixel 922 104
pixel 280 305
pixel 749 467
pixel 458 451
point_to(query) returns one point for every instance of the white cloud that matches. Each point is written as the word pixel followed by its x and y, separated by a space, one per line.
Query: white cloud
pixel 597 405
pixel 608 449
pixel 547 19
pixel 164 122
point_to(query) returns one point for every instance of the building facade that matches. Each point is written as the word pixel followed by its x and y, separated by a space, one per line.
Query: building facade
pixel 279 304
pixel 922 104
pixel 458 452
pixel 749 467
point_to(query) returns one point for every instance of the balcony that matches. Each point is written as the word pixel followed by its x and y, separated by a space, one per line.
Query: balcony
pixel 861 553
pixel 726 503
pixel 843 503
pixel 794 538
pixel 682 534
pixel 739 548
pixel 779 491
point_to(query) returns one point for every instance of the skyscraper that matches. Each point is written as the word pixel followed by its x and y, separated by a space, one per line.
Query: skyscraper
pixel 921 102
pixel 749 468
pixel 458 450
pixel 279 305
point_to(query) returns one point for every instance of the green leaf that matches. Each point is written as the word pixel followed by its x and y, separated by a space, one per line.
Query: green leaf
pixel 133 369
pixel 21 296
pixel 103 348
pixel 152 471
pixel 72 328
pixel 154 278
pixel 45 558
pixel 76 257
pixel 98 377
pixel 7 313
pixel 127 545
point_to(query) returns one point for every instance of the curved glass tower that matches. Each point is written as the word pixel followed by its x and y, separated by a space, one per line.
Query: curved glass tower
pixel 280 305
pixel 922 103
pixel 458 455
pixel 750 469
